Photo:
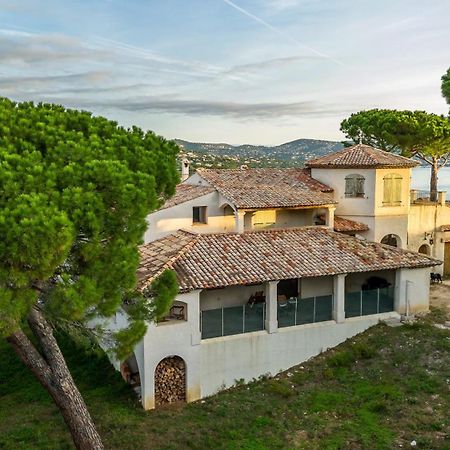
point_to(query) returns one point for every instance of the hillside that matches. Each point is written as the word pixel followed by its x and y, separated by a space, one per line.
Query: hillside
pixel 224 155
pixel 386 388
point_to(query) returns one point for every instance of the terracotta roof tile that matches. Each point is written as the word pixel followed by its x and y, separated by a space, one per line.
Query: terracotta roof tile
pixel 268 188
pixel 204 261
pixel 186 192
pixel 342 225
pixel 361 155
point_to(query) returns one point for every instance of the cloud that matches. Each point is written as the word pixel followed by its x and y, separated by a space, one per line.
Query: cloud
pixel 62 52
pixel 281 5
pixel 273 63
pixel 200 107
pixel 281 32
pixel 26 48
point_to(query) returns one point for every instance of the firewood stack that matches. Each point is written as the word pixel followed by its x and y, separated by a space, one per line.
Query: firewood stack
pixel 170 381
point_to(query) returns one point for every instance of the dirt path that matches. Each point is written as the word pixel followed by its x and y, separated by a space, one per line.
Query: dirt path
pixel 440 295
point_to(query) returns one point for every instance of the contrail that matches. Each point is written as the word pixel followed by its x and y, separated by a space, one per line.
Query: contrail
pixel 280 33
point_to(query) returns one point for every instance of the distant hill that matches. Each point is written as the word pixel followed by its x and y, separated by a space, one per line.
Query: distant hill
pixel 293 153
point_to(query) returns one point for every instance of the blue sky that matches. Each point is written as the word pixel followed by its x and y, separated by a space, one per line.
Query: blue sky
pixel 239 71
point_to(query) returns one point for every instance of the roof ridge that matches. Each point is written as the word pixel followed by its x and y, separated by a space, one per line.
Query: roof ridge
pixel 362 155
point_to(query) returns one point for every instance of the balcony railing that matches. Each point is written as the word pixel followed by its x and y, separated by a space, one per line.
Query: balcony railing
pixel 364 303
pixel 300 311
pixel 232 320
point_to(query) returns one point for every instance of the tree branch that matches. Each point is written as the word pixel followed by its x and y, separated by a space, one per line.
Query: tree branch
pixel 423 158
pixel 444 161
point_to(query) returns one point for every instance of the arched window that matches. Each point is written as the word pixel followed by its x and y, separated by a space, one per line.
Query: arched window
pixel 392 190
pixel 392 240
pixel 354 185
pixel 424 249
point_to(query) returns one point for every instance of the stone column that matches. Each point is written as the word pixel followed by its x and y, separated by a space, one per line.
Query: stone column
pixel 271 322
pixel 194 317
pixel 339 297
pixel 399 292
pixel 329 217
pixel 239 216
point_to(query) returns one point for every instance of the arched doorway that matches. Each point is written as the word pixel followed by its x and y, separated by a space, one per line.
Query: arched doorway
pixel 392 240
pixel 425 249
pixel 170 381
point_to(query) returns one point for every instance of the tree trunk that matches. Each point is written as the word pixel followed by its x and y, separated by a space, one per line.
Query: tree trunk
pixel 434 181
pixel 52 372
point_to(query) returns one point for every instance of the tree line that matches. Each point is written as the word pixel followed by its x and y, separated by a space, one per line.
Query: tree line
pixel 419 134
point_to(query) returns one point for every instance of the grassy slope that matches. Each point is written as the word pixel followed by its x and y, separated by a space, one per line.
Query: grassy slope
pixel 384 388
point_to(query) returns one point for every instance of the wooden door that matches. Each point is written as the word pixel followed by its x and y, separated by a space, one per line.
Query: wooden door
pixel 447 259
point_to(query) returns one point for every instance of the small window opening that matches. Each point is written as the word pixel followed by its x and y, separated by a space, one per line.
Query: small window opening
pixel 199 214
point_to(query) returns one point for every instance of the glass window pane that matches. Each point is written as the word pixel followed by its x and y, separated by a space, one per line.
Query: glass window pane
pixel 352 304
pixel 286 313
pixel 324 308
pixel 305 310
pixel 254 317
pixel 369 304
pixel 211 323
pixel 233 320
pixel 387 299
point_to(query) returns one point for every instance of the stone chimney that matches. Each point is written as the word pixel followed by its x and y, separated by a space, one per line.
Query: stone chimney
pixel 441 197
pixel 184 169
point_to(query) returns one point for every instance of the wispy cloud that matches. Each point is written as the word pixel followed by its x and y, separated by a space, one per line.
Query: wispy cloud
pixel 281 5
pixel 272 63
pixel 282 33
pixel 247 111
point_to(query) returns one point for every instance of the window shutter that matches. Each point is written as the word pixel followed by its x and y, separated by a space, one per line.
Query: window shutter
pixel 350 187
pixel 397 194
pixel 387 194
pixel 354 185
pixel 392 194
pixel 360 187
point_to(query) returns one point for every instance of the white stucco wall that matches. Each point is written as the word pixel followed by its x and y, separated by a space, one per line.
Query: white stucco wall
pixel 412 290
pixel 335 178
pixel 177 338
pixel 227 359
pixel 381 220
pixel 169 220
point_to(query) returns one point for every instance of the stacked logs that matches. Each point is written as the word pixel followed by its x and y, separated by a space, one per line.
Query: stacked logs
pixel 170 381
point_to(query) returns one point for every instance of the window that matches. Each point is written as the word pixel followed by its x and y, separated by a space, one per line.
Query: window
pixel 392 190
pixel 199 214
pixel 391 239
pixel 354 185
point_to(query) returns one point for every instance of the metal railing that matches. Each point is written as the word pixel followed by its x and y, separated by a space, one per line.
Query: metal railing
pixel 300 311
pixel 364 303
pixel 232 320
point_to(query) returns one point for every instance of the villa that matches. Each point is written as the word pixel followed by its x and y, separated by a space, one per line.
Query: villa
pixel 277 265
